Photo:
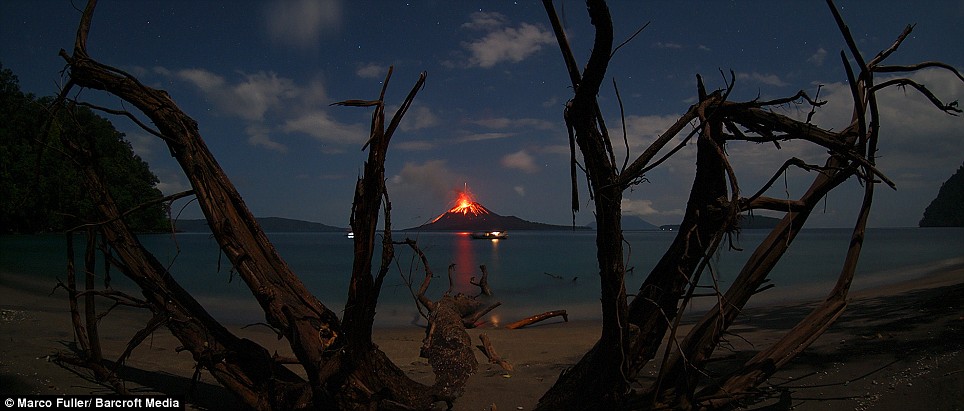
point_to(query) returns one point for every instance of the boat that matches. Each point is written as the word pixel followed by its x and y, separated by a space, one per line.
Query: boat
pixel 490 235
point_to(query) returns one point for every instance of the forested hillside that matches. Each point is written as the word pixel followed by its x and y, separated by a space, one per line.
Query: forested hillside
pixel 40 188
pixel 947 210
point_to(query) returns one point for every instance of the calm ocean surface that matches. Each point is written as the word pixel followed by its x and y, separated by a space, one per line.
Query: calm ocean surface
pixel 524 269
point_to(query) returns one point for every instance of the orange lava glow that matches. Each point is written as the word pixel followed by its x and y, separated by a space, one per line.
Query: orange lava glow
pixel 465 205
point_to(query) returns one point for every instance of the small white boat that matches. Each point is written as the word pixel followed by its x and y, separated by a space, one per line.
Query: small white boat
pixel 490 235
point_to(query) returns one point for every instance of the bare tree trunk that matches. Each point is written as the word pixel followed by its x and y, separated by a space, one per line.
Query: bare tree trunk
pixel 599 379
pixel 344 369
pixel 712 211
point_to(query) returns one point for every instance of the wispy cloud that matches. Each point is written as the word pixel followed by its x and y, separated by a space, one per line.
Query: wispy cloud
pixel 510 123
pixel 259 135
pixel 818 56
pixel 300 23
pixel 482 20
pixel 427 185
pixel 371 70
pixel 249 99
pixel 501 43
pixel 418 118
pixel 321 126
pixel 648 210
pixel 482 137
pixel 767 79
pixel 270 104
pixel 668 45
pixel 520 160
pixel 414 145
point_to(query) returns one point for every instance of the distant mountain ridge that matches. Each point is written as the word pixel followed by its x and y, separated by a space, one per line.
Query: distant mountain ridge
pixel 268 224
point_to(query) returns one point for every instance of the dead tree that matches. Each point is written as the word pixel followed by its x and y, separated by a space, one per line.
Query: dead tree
pixel 344 368
pixel 633 332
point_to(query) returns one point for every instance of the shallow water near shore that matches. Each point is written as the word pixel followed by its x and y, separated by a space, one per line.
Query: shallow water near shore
pixel 530 272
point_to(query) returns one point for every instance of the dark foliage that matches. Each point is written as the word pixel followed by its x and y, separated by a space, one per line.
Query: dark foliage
pixel 42 190
pixel 946 209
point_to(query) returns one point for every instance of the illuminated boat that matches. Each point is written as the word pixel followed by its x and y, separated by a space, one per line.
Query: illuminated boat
pixel 490 235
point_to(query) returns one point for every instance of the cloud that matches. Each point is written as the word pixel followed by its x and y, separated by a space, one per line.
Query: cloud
pixel 504 123
pixel 768 79
pixel 418 118
pixel 481 20
pixel 371 70
pixel 249 99
pixel 171 181
pixel 432 178
pixel 143 144
pixel 413 145
pixel 914 135
pixel 203 79
pixel 520 160
pixel 661 45
pixel 647 209
pixel 296 108
pixel 640 208
pixel 501 43
pixel 818 57
pixel 483 137
pixel 642 131
pixel 321 126
pixel 300 23
pixel 259 135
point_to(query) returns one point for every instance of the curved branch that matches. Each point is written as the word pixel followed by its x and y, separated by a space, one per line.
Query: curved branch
pixel 919 66
pixel 127 114
pixel 949 108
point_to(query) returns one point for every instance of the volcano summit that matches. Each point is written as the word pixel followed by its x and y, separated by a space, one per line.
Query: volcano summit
pixel 469 215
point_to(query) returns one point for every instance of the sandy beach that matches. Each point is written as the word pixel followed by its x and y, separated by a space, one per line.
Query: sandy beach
pixel 896 347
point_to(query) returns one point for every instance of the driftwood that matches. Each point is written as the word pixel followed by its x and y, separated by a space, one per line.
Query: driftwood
pixel 537 318
pixel 483 282
pixel 339 365
pixel 634 330
pixel 491 354
pixel 342 367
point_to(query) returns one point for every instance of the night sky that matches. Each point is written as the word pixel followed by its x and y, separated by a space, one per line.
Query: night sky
pixel 259 78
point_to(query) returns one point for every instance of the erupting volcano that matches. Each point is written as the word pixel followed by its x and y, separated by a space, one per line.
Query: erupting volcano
pixel 466 214
pixel 466 206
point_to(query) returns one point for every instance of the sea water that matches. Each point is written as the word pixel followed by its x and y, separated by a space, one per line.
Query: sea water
pixel 529 273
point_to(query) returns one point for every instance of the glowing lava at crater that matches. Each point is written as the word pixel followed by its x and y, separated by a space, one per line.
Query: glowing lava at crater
pixel 465 205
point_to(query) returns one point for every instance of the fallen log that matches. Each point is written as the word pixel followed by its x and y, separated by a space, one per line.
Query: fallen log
pixel 537 318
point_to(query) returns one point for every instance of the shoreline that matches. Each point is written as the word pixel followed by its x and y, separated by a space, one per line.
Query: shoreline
pixel 896 346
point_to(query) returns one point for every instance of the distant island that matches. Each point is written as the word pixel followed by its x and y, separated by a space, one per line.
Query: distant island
pixel 632 223
pixel 468 215
pixel 747 222
pixel 268 224
pixel 946 210
pixel 482 219
pixel 751 222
